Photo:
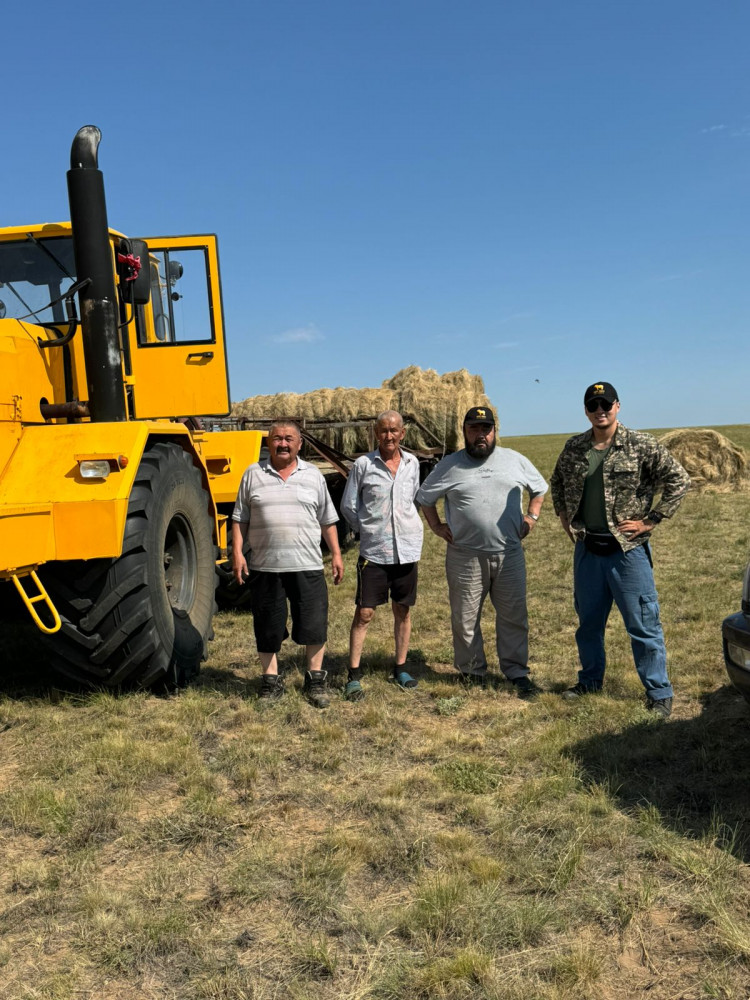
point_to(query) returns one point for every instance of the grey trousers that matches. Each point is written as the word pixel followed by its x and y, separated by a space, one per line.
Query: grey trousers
pixel 471 577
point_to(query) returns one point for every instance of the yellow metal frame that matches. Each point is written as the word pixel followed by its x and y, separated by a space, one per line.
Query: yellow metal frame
pixel 173 379
pixel 41 595
pixel 167 380
pixel 48 511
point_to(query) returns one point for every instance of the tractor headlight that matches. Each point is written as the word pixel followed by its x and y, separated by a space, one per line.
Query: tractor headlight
pixel 94 468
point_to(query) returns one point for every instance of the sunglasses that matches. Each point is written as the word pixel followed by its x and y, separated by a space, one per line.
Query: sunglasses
pixel 593 405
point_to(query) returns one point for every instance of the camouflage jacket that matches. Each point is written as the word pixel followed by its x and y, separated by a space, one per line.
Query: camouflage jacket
pixel 634 470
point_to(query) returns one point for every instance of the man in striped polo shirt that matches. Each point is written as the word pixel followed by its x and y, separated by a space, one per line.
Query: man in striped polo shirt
pixel 282 509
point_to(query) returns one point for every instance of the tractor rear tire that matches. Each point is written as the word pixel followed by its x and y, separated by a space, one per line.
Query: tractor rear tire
pixel 230 595
pixel 144 618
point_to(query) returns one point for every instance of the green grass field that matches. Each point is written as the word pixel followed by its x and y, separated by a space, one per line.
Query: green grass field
pixel 447 843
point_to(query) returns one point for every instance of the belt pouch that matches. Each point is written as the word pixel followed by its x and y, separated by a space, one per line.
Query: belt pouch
pixel 601 545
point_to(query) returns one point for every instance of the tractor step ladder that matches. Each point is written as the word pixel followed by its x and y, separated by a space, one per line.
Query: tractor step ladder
pixel 41 595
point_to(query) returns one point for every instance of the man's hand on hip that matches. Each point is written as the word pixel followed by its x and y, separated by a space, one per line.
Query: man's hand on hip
pixel 439 527
pixel 632 529
pixel 443 531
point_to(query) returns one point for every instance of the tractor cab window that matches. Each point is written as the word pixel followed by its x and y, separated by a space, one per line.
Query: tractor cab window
pixel 180 300
pixel 35 274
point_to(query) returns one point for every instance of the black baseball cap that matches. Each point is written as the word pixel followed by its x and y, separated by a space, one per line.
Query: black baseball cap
pixel 601 390
pixel 480 415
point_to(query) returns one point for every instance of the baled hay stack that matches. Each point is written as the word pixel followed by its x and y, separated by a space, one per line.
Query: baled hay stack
pixel 437 401
pixel 712 460
pixel 322 404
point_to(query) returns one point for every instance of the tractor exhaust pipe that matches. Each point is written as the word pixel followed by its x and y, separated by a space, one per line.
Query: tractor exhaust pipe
pixel 98 300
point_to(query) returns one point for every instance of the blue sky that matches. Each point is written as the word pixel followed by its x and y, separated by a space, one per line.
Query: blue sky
pixel 545 193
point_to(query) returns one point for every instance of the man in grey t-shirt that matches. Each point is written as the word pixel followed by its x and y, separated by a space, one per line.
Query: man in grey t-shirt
pixel 483 487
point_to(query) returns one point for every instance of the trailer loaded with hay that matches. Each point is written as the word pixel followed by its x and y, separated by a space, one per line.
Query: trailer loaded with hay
pixel 433 406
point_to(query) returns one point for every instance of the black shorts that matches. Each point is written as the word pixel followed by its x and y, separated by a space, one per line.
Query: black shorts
pixel 307 595
pixel 374 580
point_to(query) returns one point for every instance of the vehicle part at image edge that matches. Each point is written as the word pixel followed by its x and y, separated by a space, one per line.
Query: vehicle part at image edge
pixel 143 618
pixel 735 631
pixel 736 640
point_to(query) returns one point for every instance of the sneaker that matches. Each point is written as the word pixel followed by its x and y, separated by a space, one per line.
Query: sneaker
pixel 271 687
pixel 659 706
pixel 315 688
pixel 578 691
pixel 353 691
pixel 525 687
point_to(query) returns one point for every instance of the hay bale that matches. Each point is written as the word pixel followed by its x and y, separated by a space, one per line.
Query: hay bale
pixel 437 401
pixel 322 404
pixel 712 460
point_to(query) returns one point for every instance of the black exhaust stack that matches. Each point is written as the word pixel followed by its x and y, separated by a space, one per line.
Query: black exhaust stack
pixel 98 300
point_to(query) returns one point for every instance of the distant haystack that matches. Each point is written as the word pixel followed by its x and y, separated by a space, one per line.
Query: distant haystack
pixel 437 401
pixel 712 460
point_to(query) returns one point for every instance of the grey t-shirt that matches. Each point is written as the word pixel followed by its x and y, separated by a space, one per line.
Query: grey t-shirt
pixel 483 497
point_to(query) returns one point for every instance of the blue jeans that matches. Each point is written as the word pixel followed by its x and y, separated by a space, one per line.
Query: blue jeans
pixel 626 578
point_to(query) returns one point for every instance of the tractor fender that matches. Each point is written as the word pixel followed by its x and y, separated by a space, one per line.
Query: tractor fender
pixel 49 511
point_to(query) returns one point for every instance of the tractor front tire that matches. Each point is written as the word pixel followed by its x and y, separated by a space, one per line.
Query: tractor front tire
pixel 143 618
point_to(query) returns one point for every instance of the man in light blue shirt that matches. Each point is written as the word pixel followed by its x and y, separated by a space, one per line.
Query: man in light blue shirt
pixel 483 488
pixel 378 503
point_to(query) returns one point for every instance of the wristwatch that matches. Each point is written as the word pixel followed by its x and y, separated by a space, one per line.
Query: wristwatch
pixel 534 517
pixel 654 517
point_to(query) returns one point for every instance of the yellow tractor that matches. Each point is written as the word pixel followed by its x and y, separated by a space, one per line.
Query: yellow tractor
pixel 114 495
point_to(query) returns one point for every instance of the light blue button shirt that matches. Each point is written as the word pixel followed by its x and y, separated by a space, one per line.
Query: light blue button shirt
pixel 380 506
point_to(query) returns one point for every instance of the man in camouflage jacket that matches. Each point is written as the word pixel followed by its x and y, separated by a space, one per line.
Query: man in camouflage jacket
pixel 603 490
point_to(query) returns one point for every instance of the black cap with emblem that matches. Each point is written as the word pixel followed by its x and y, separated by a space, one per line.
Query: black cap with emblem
pixel 601 390
pixel 480 415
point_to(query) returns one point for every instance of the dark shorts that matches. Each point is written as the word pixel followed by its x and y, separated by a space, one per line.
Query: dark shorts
pixel 307 595
pixel 374 581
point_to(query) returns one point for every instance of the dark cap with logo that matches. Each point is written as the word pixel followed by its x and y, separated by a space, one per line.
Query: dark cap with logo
pixel 480 415
pixel 601 390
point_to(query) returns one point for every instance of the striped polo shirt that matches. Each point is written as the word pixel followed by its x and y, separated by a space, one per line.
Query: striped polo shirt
pixel 284 516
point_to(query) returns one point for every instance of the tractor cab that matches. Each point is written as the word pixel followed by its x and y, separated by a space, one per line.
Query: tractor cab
pixel 171 338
